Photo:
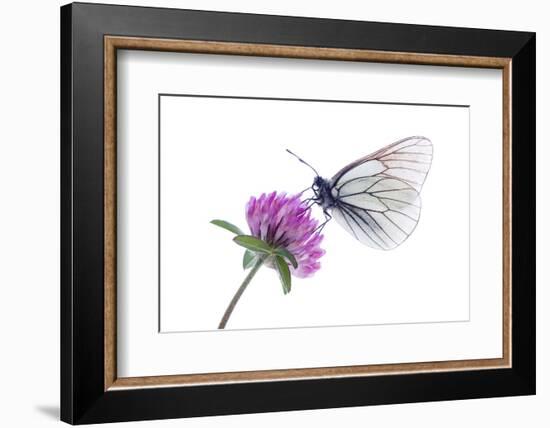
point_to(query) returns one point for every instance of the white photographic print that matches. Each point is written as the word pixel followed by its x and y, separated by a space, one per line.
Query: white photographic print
pixel 253 185
pixel 206 144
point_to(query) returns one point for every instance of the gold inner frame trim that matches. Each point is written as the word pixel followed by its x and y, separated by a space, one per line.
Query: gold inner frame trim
pixel 112 43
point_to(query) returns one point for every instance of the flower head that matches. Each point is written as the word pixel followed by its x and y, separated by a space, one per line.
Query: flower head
pixel 285 222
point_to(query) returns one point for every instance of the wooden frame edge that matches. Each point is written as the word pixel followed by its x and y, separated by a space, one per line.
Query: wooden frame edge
pixel 301 52
pixel 300 374
pixel 110 213
pixel 507 213
pixel 112 43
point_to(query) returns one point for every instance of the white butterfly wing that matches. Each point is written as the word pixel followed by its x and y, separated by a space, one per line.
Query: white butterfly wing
pixel 377 196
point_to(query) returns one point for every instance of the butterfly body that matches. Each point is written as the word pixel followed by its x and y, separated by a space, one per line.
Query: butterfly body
pixel 377 198
pixel 322 189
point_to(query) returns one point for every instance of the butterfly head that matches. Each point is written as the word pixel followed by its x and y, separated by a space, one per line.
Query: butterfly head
pixel 323 192
pixel 321 187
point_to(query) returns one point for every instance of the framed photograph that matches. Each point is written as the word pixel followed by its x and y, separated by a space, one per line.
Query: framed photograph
pixel 265 213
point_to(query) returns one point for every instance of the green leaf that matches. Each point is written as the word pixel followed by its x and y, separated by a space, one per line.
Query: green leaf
pixel 249 259
pixel 227 226
pixel 283 252
pixel 284 273
pixel 254 244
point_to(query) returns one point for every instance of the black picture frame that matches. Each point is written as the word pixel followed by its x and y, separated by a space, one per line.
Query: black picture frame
pixel 83 396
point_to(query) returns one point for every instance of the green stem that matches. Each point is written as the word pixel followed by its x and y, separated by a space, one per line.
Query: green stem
pixel 240 291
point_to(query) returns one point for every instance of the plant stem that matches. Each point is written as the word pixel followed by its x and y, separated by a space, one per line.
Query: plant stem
pixel 240 291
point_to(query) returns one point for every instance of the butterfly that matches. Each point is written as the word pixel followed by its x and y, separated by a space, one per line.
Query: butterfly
pixel 377 197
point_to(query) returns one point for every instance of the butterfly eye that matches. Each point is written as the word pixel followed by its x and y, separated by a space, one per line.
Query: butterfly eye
pixel 317 183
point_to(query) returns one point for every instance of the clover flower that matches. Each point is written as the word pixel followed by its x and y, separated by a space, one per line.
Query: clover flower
pixel 285 222
pixel 283 236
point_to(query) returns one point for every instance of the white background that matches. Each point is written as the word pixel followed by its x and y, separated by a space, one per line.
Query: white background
pixel 29 231
pixel 356 284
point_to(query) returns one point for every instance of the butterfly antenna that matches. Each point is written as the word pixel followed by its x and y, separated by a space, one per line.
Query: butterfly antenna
pixel 303 161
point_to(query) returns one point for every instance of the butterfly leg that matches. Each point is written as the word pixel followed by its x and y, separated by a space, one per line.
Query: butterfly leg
pixel 311 202
pixel 328 217
pixel 304 191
